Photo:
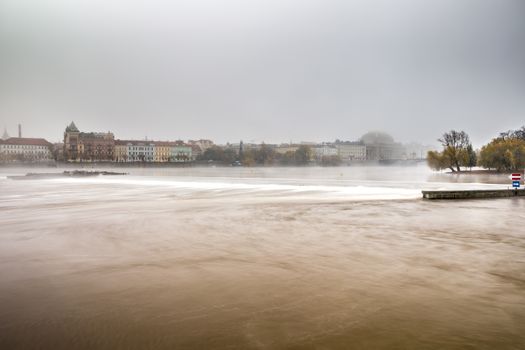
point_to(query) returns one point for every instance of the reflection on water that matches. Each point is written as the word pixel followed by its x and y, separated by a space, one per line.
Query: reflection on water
pixel 259 258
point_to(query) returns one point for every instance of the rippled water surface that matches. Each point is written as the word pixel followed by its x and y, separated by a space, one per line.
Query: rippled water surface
pixel 251 258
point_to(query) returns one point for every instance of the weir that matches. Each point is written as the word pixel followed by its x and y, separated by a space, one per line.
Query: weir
pixel 473 194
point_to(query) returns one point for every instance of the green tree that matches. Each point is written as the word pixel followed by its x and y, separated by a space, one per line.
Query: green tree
pixel 513 134
pixel 472 157
pixel 287 158
pixel 265 155
pixel 436 160
pixel 303 155
pixel 503 154
pixel 218 154
pixel 455 145
pixel 455 152
pixel 229 155
pixel 248 158
pixel 214 153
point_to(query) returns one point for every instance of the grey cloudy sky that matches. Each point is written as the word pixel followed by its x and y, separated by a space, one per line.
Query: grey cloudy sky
pixel 263 70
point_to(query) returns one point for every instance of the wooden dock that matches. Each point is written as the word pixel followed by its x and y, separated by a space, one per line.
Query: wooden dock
pixel 473 194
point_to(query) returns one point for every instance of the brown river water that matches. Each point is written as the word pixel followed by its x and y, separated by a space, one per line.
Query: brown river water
pixel 260 258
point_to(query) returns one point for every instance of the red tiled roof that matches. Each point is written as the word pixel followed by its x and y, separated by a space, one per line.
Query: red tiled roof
pixel 26 141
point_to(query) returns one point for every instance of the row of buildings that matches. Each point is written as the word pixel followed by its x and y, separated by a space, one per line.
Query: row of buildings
pixel 103 147
pixel 349 151
pixel 373 146
pixel 94 146
pixel 97 147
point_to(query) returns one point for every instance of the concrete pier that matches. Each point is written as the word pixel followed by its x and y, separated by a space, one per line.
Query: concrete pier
pixel 473 194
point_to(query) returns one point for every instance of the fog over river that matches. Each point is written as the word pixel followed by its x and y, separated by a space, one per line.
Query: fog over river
pixel 259 258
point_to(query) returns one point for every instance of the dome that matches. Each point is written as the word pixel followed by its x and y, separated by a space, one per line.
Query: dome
pixel 376 137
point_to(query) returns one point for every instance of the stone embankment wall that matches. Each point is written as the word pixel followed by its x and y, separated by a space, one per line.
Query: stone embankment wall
pixel 473 194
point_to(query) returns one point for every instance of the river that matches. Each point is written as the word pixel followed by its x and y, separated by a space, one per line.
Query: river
pixel 260 258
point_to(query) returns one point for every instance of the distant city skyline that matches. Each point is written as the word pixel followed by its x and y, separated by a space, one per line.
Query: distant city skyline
pixel 7 132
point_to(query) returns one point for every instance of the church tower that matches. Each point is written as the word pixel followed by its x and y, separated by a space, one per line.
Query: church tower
pixel 71 142
pixel 5 136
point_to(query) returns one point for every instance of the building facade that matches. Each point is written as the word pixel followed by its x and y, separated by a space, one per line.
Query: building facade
pixel 71 143
pixel 349 151
pixel 88 146
pixel 381 146
pixel 25 149
pixel 385 151
pixel 203 144
pixel 162 152
pixel 180 153
pixel 324 150
pixel 196 151
pixel 140 151
pixel 285 148
pixel 127 151
pixel 96 146
pixel 121 151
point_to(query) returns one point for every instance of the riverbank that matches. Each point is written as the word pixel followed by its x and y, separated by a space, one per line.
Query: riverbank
pixel 204 163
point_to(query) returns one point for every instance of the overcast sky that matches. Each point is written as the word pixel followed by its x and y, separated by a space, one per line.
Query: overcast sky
pixel 263 70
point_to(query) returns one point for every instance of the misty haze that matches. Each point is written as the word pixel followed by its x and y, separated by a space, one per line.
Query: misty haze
pixel 262 174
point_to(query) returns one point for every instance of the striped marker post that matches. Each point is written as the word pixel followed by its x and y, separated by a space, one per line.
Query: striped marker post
pixel 516 180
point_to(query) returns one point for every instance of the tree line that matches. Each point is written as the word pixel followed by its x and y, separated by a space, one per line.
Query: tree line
pixel 266 155
pixel 505 152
